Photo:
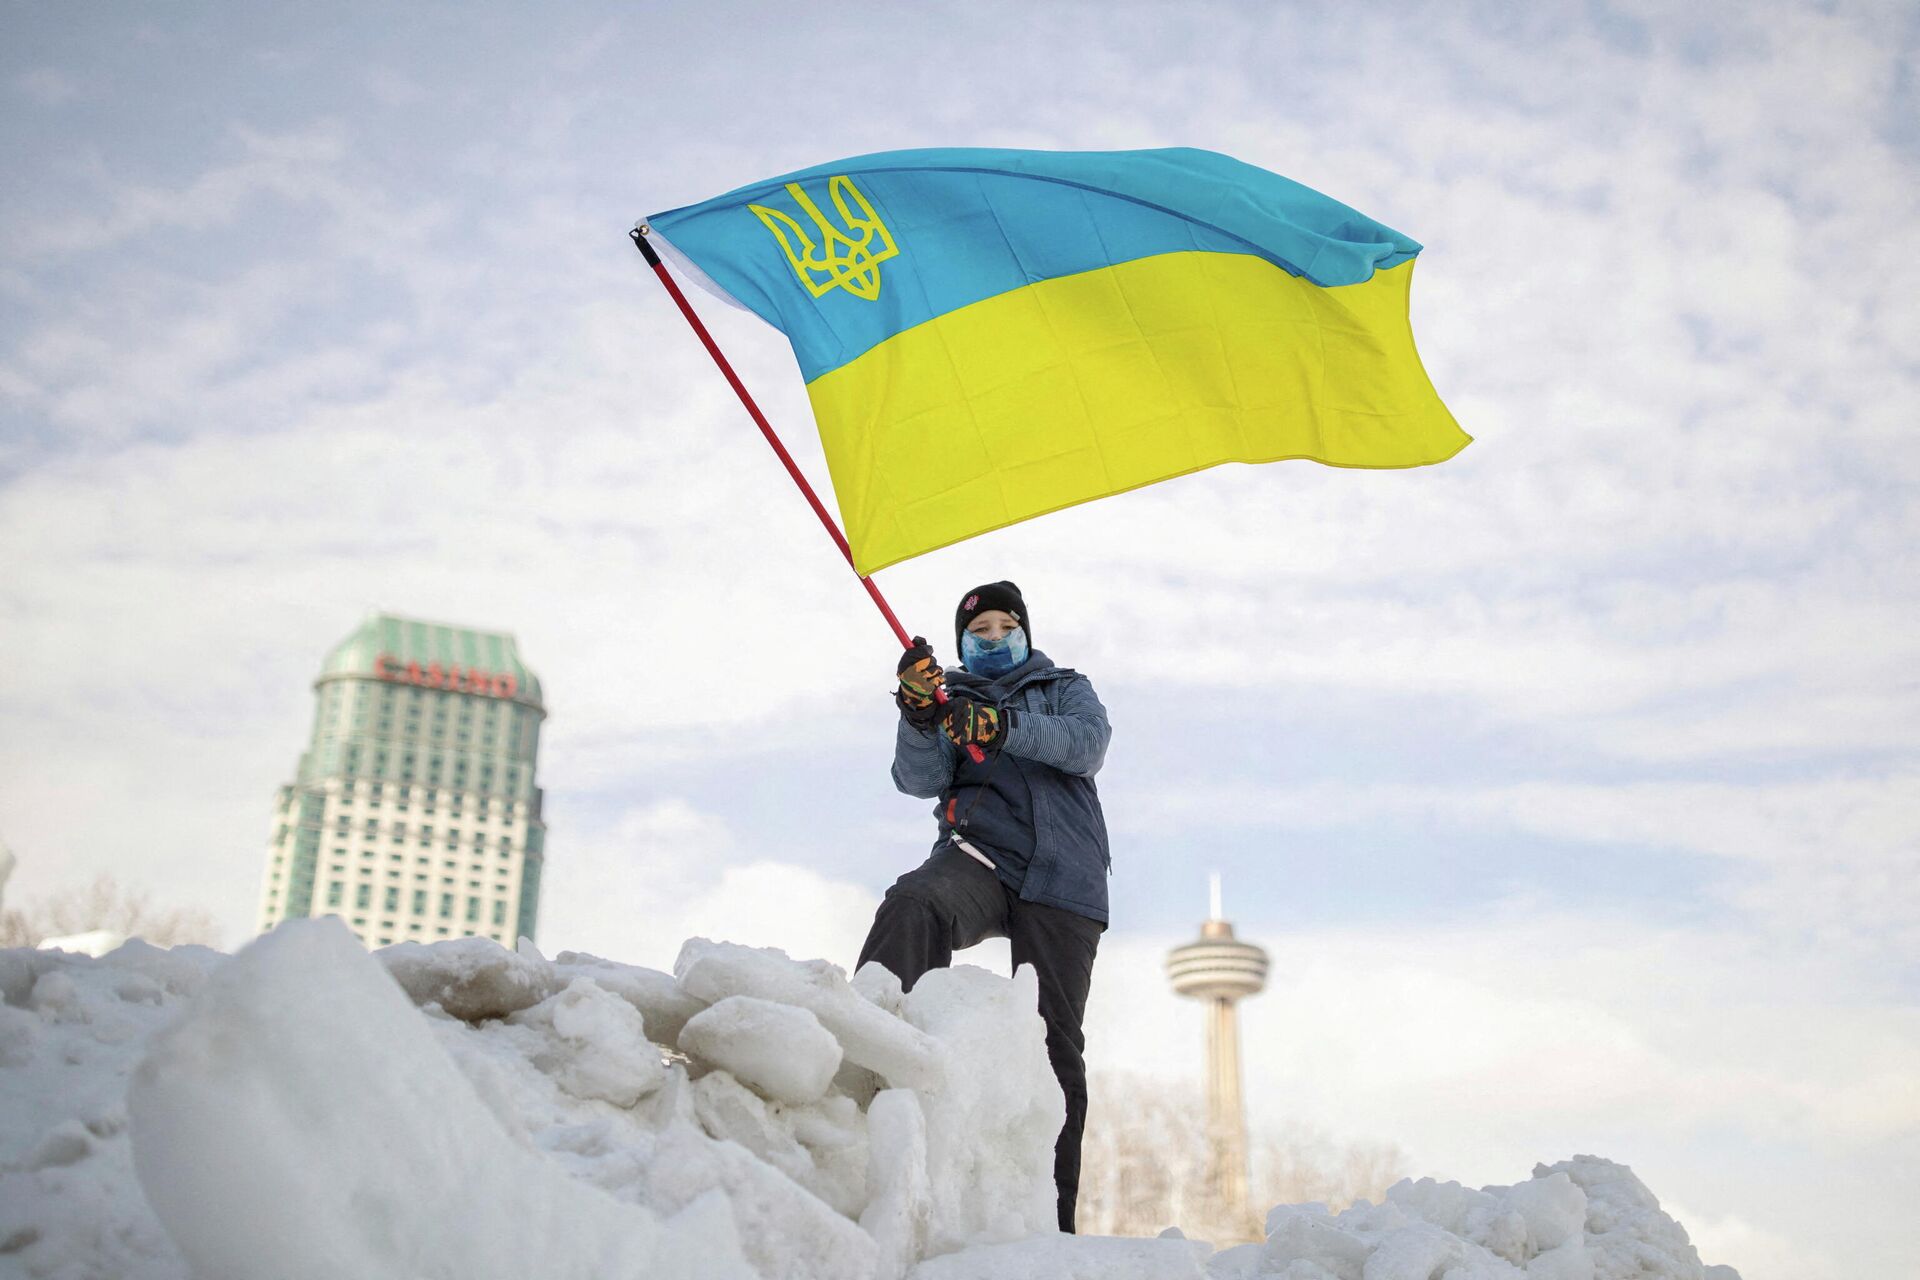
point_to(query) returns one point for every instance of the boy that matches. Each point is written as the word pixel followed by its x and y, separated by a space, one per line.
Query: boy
pixel 1022 850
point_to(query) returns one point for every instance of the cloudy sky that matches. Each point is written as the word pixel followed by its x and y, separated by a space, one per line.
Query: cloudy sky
pixel 1574 785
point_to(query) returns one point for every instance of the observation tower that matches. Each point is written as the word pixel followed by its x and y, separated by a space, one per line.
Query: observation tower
pixel 1221 970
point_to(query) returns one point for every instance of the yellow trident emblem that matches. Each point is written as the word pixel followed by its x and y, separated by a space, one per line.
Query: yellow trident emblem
pixel 847 259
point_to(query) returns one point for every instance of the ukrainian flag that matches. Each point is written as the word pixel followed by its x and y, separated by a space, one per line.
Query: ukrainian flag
pixel 990 335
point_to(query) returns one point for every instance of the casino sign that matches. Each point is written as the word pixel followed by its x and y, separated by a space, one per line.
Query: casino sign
pixel 453 679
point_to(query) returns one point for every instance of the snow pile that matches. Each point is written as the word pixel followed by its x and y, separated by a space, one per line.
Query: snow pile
pixel 460 1110
pixel 1581 1219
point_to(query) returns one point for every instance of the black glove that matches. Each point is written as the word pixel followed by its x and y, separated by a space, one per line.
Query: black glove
pixel 973 724
pixel 920 676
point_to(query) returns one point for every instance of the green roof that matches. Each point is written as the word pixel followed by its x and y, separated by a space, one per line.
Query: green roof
pixel 405 640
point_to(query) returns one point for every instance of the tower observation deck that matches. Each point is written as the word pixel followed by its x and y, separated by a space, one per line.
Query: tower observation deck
pixel 1221 970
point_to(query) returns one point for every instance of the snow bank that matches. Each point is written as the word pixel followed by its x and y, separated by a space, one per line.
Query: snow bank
pixel 302 1121
pixel 460 1110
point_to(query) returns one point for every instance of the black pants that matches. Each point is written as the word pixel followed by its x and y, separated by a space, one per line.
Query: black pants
pixel 949 903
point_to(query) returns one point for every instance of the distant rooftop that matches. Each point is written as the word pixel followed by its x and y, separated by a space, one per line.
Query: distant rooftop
pixel 404 640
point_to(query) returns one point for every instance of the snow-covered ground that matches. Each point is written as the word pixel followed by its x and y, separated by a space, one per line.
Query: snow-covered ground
pixel 303 1109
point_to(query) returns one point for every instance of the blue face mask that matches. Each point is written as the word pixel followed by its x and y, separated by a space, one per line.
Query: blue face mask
pixel 993 657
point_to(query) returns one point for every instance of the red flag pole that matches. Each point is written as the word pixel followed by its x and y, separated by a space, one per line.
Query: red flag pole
pixel 639 236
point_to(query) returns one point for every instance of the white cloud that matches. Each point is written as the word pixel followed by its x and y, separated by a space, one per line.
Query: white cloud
pixel 47 86
pixel 1835 860
pixel 669 871
pixel 295 167
pixel 1754 1251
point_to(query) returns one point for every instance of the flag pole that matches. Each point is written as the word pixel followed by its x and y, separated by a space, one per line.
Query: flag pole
pixel 639 237
pixel 640 242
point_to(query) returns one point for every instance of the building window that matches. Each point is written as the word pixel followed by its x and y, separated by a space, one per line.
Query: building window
pixel 426 836
pixel 499 912
pixel 446 907
pixel 399 832
pixel 473 910
pixel 334 893
pixel 419 902
pixel 363 896
pixel 392 898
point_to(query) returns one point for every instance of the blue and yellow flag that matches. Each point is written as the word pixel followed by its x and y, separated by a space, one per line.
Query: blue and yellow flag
pixel 991 335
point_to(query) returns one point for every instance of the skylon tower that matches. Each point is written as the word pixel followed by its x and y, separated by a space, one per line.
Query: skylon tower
pixel 1221 970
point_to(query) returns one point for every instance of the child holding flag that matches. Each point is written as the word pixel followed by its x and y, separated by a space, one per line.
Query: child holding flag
pixel 1022 848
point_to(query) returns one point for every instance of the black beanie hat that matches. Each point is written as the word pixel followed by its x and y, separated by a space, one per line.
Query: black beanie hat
pixel 994 595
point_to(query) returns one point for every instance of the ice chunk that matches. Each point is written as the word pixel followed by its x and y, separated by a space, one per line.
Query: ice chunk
pixel 787 1233
pixel 1481 1217
pixel 1554 1209
pixel 822 1147
pixel 731 1112
pixel 181 971
pixel 1295 1234
pixel 471 978
pixel 778 1049
pixel 834 1132
pixel 301 1121
pixel 1417 1252
pixel 875 983
pixel 994 1116
pixel 598 1044
pixel 870 1037
pixel 56 997
pixel 1241 1262
pixel 1626 1232
pixel 64 1144
pixel 656 995
pixel 19 1034
pixel 1569 1261
pixel 901 1208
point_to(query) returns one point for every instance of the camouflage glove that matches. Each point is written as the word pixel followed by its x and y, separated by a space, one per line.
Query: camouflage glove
pixel 973 724
pixel 920 677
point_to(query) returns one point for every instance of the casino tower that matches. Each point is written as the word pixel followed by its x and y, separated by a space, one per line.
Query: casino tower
pixel 414 815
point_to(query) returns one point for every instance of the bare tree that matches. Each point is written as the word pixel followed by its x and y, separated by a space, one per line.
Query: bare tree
pixel 1143 1162
pixel 1297 1164
pixel 1143 1158
pixel 109 905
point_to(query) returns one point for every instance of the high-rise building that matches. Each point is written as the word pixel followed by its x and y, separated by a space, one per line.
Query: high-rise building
pixel 1220 970
pixel 415 815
